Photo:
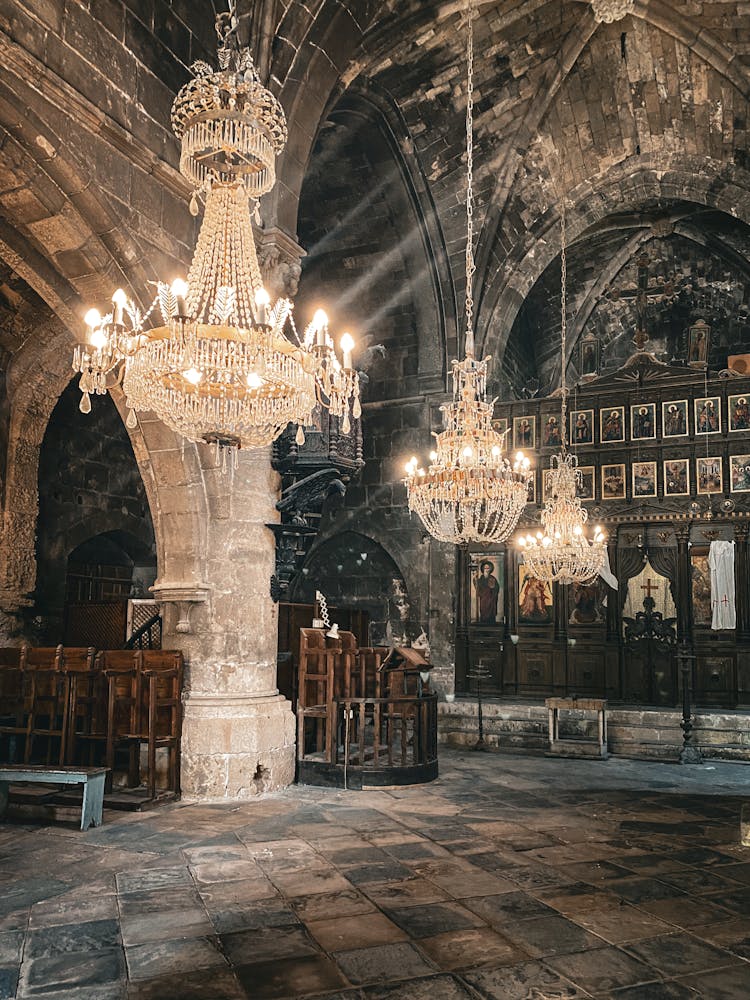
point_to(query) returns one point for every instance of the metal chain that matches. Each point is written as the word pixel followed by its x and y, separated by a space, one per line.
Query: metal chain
pixel 563 330
pixel 470 266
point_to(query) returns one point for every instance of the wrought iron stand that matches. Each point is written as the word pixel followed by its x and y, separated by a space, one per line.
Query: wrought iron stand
pixel 481 672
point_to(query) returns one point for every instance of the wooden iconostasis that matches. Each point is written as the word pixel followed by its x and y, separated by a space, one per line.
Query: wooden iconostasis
pixel 665 459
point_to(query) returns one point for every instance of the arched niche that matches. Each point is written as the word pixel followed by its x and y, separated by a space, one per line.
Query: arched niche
pixel 93 508
pixel 354 571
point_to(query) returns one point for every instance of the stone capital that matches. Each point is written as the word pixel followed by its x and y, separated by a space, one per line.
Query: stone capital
pixel 279 257
pixel 184 596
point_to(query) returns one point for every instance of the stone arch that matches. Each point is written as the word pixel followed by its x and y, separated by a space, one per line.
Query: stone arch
pixel 668 177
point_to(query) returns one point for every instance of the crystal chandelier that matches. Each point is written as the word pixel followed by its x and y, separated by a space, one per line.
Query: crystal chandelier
pixel 212 357
pixel 471 492
pixel 562 552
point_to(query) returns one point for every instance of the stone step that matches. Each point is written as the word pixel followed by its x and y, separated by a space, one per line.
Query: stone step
pixel 652 733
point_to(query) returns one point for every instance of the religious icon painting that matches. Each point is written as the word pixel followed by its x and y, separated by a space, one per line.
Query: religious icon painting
pixel 534 599
pixel 708 475
pixel 524 432
pixel 500 425
pixel 644 479
pixel 551 432
pixel 612 424
pixel 582 427
pixel 587 602
pixel 674 418
pixel 739 473
pixel 585 484
pixel 707 415
pixel 739 412
pixel 486 571
pixel 643 421
pixel 701 586
pixel 698 341
pixel 532 490
pixel 677 477
pixel 545 485
pixel 613 482
pixel 588 356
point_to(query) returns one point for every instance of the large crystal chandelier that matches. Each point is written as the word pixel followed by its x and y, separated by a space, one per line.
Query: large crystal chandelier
pixel 562 552
pixel 470 492
pixel 211 356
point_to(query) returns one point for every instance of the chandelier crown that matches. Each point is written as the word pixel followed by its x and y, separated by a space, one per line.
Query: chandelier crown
pixel 231 126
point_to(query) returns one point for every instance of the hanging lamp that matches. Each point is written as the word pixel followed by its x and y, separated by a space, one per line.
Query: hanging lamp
pixel 561 552
pixel 212 357
pixel 470 492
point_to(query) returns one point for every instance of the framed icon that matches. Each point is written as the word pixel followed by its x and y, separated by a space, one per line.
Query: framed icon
pixel 500 426
pixel 588 356
pixel 709 475
pixel 643 421
pixel 739 473
pixel 677 477
pixel 707 415
pixel 534 599
pixel 612 424
pixel 585 483
pixel 582 427
pixel 532 490
pixel 613 482
pixel 699 335
pixel 674 418
pixel 551 432
pixel 644 479
pixel 545 485
pixel 486 571
pixel 524 433
pixel 738 413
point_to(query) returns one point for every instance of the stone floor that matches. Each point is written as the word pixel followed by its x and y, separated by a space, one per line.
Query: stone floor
pixel 511 877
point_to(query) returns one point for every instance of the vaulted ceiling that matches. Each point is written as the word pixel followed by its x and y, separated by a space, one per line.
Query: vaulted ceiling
pixel 640 125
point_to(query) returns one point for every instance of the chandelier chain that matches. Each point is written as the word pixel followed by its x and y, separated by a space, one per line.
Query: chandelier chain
pixel 470 265
pixel 563 331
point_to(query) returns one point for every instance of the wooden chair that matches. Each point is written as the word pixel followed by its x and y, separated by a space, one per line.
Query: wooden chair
pixel 145 706
pixel 14 699
pixel 86 702
pixel 47 697
pixel 121 669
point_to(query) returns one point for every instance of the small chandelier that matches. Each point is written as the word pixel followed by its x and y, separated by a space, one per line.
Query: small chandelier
pixel 212 357
pixel 561 552
pixel 471 492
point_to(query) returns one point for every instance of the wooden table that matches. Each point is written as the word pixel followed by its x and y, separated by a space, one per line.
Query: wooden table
pixel 92 779
pixel 573 747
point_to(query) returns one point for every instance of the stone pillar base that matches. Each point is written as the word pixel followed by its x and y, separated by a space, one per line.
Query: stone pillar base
pixel 236 747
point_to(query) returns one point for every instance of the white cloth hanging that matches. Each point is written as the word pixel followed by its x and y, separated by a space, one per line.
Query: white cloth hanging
pixel 606 573
pixel 721 564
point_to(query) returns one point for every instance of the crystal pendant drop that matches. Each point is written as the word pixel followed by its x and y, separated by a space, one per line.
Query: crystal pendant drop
pixel 194 204
pixel 130 421
pixel 299 438
pixel 85 405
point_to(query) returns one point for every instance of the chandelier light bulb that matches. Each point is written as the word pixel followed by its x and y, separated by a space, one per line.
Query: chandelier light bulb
pixel 93 318
pixel 192 375
pixel 468 451
pixel 496 451
pixel 254 380
pixel 347 346
pixel 433 456
pixel 98 339
pixel 119 297
pixel 262 302
pixel 179 288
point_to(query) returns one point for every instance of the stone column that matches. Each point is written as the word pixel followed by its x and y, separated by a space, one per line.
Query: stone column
pixel 238 732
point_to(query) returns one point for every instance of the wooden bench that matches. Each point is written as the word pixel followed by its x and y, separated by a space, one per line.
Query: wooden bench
pixel 571 747
pixel 92 779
